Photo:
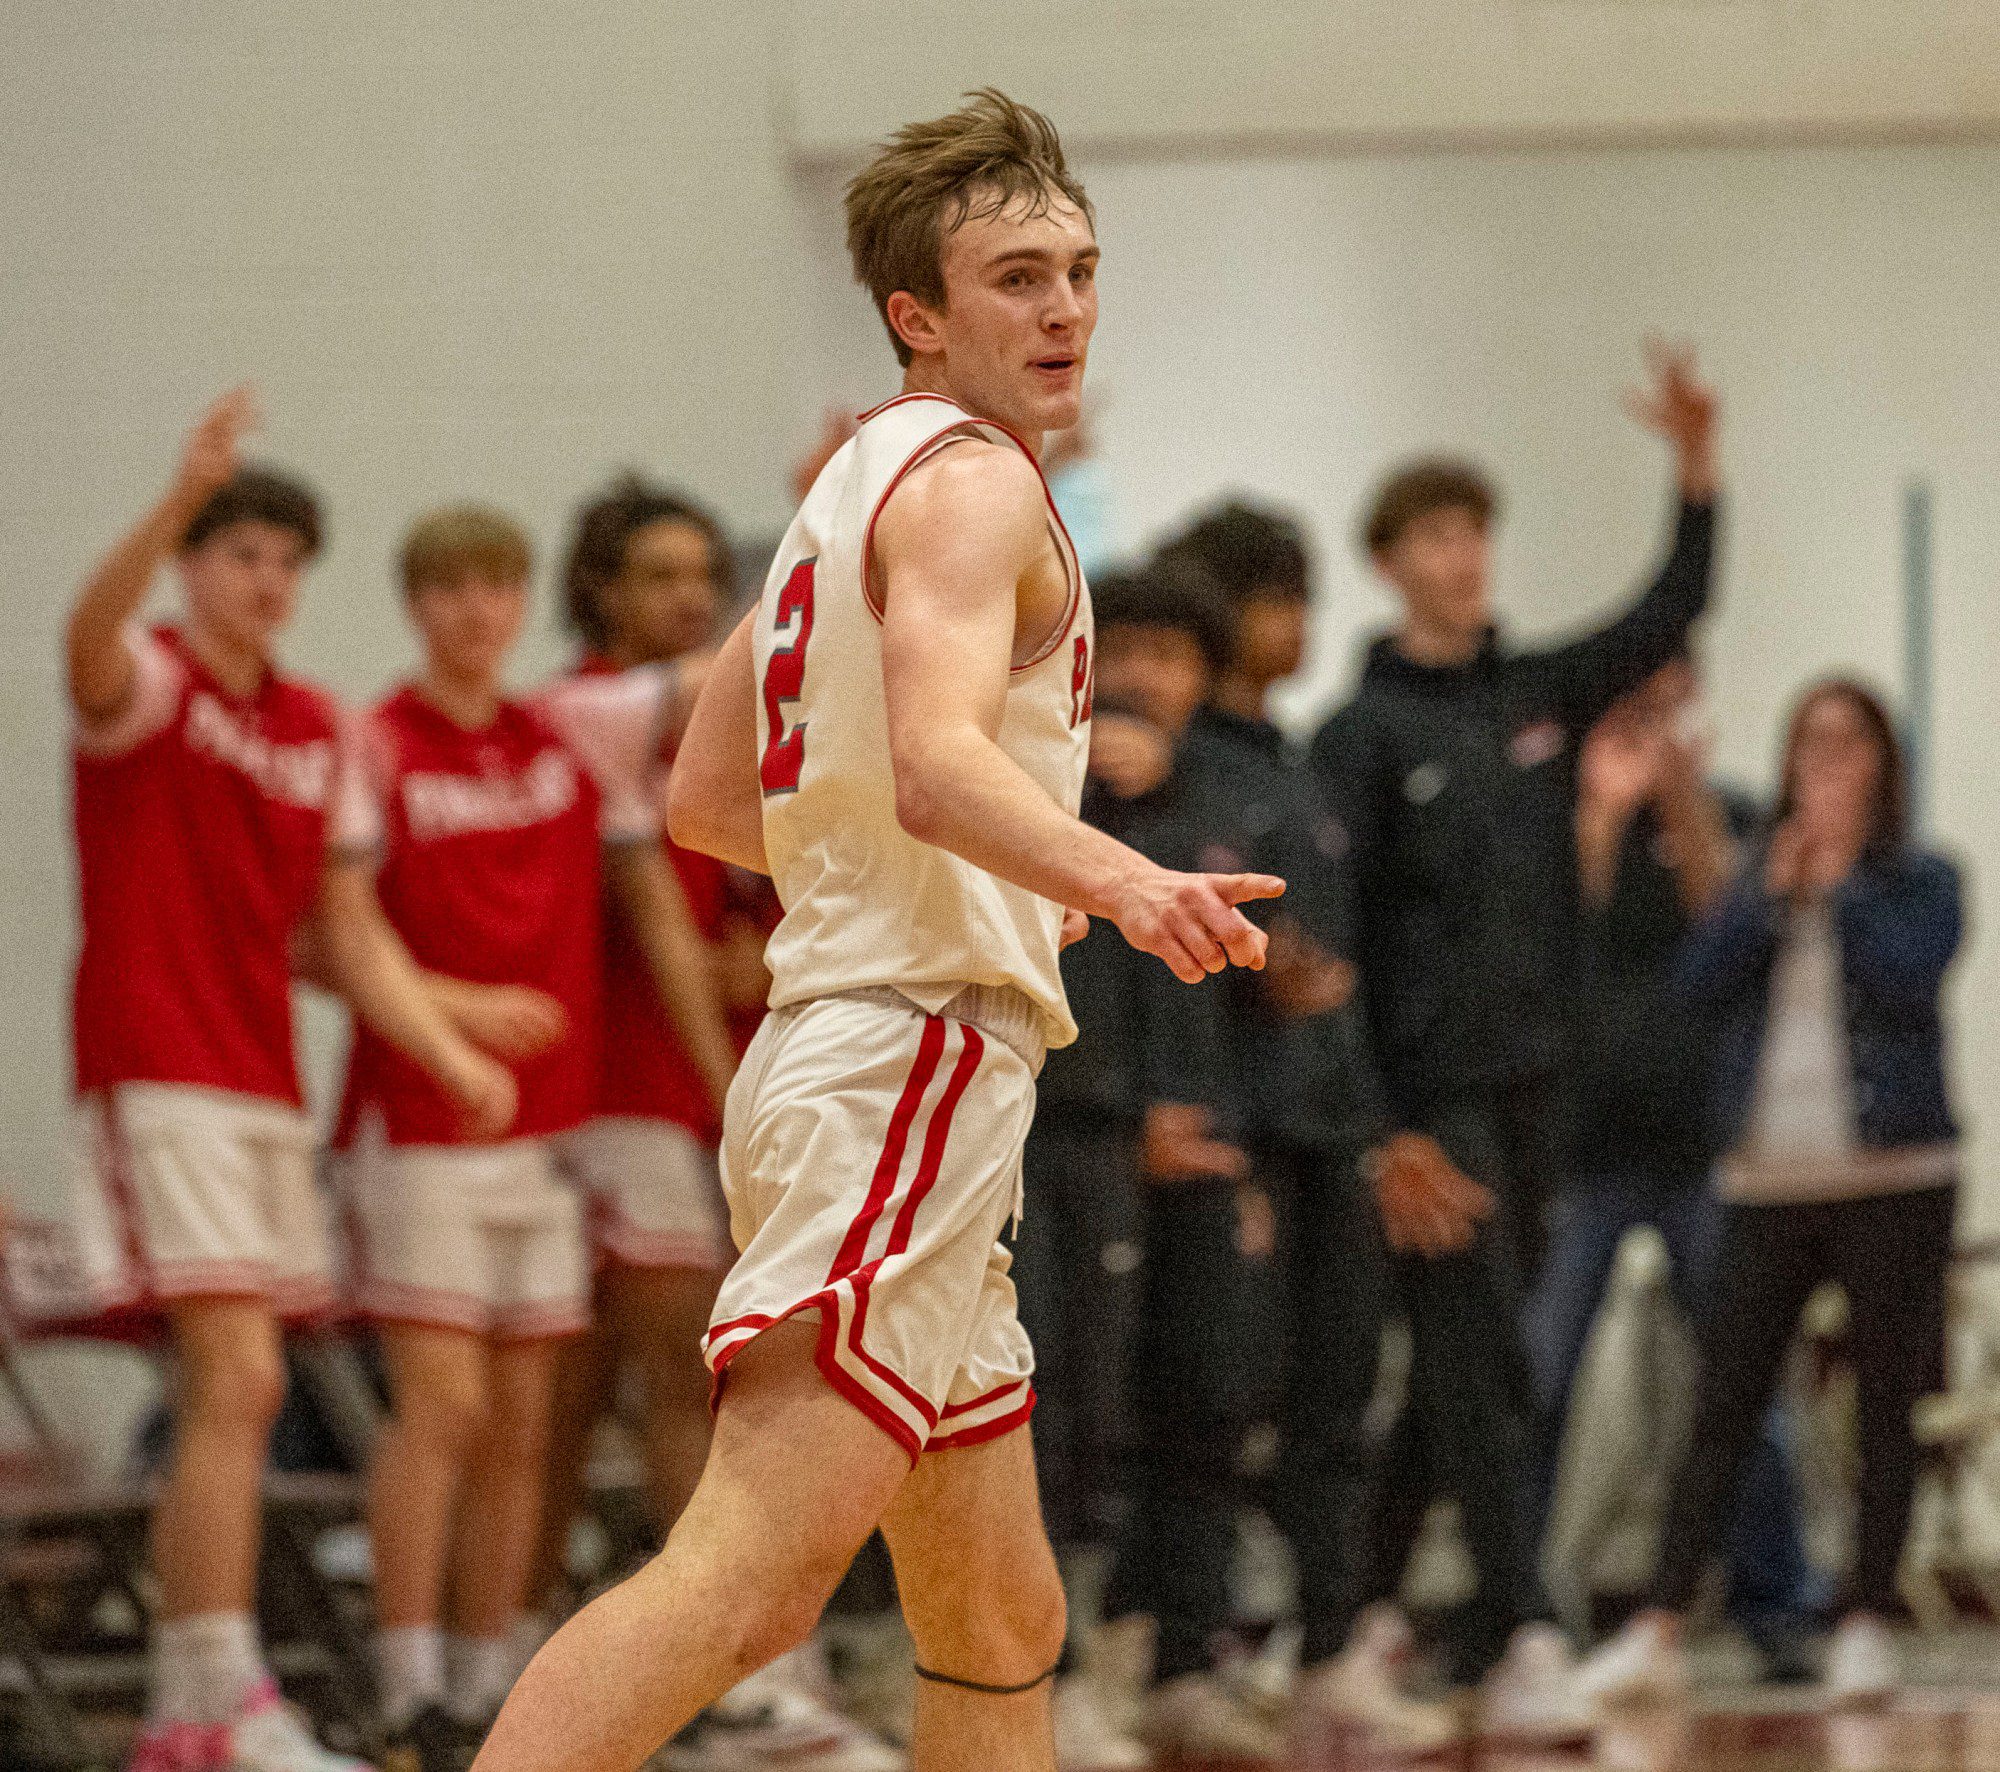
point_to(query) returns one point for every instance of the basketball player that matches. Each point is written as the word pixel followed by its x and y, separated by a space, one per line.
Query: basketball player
pixel 897 734
pixel 647 573
pixel 210 791
pixel 490 818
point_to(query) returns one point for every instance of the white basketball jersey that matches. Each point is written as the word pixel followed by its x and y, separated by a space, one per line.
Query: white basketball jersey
pixel 866 904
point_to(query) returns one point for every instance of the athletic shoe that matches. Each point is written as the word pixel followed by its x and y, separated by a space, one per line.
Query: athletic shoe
pixel 1352 1704
pixel 268 1735
pixel 1535 1696
pixel 1643 1664
pixel 1197 1717
pixel 1862 1669
pixel 1088 1738
pixel 766 1723
pixel 432 1741
pixel 176 1747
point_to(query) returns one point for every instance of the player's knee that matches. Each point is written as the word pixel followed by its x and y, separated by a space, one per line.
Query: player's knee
pixel 241 1389
pixel 1005 1623
pixel 447 1411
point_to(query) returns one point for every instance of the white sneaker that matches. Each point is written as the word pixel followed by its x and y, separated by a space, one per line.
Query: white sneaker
pixel 1197 1717
pixel 1088 1738
pixel 1862 1667
pixel 268 1735
pixel 767 1722
pixel 1642 1664
pixel 1352 1705
pixel 1535 1696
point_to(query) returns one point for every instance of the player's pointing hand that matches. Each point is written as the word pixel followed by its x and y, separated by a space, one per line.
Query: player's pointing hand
pixel 1191 921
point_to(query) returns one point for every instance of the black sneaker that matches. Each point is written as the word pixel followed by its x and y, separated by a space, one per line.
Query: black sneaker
pixel 432 1741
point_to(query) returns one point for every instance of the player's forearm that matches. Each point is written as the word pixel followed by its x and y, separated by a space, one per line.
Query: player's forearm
pixel 366 964
pixel 1697 838
pixel 100 668
pixel 657 910
pixel 961 792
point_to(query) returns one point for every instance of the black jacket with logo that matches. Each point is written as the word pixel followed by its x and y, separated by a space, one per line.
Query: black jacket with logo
pixel 1457 789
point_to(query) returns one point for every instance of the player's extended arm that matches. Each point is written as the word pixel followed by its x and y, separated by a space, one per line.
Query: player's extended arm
pixel 365 961
pixel 954 543
pixel 653 902
pixel 100 667
pixel 715 802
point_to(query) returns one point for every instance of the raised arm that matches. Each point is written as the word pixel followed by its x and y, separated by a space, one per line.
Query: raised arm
pixel 715 803
pixel 1587 675
pixel 954 545
pixel 100 665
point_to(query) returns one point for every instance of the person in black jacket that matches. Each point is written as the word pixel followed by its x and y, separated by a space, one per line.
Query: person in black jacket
pixel 1298 1101
pixel 1128 1262
pixel 1453 771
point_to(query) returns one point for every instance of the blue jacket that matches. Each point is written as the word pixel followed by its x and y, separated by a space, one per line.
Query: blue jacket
pixel 1898 921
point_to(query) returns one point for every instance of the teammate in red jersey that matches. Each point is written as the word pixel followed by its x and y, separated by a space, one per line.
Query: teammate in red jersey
pixel 492 819
pixel 209 792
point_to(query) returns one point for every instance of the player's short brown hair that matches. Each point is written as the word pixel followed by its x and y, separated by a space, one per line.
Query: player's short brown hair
pixel 1436 483
pixel 259 495
pixel 930 178
pixel 462 541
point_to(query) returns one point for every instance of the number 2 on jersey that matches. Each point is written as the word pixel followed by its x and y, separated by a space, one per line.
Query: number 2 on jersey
pixel 784 681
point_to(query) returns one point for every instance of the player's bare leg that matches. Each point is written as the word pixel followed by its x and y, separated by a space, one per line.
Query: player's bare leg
pixel 437 1385
pixel 205 1526
pixel 658 1316
pixel 499 1511
pixel 984 1603
pixel 796 1480
pixel 586 1387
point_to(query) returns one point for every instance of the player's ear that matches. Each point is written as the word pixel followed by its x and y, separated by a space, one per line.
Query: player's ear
pixel 914 324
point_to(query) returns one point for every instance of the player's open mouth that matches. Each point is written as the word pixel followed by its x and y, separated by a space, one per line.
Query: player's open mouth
pixel 1056 365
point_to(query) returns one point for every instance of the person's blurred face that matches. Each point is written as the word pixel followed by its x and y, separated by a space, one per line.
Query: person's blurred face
pixel 665 598
pixel 469 624
pixel 1837 764
pixel 1020 304
pixel 1441 565
pixel 1160 673
pixel 1270 641
pixel 242 582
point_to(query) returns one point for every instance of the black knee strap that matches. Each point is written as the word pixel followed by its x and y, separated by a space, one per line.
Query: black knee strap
pixel 986 1691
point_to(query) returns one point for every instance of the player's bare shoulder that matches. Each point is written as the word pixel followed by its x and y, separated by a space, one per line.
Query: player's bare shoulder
pixel 973 520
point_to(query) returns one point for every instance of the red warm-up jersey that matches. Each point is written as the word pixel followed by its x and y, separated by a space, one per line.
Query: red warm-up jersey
pixel 202 824
pixel 490 845
pixel 645 1070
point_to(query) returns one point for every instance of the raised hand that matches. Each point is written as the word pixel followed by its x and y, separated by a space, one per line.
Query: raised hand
pixel 1429 1205
pixel 1623 763
pixel 212 452
pixel 1191 921
pixel 1678 405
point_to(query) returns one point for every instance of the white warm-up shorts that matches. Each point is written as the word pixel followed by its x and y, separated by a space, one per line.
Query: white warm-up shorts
pixel 651 1193
pixel 487 1238
pixel 185 1192
pixel 871 1157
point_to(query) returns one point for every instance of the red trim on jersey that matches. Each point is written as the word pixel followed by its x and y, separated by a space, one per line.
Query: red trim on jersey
pixel 1072 565
pixel 889 1166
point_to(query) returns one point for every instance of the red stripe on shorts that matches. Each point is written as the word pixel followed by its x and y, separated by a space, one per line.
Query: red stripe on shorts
pixel 934 1136
pixel 855 1244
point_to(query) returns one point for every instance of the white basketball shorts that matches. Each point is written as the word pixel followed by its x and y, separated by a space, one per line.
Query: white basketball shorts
pixel 651 1193
pixel 184 1192
pixel 871 1158
pixel 487 1238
